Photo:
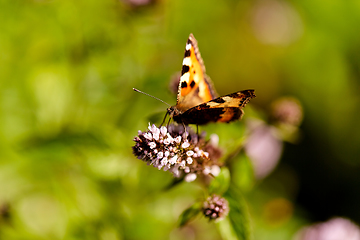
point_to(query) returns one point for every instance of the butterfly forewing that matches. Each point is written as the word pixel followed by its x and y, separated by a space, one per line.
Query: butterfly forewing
pixel 194 86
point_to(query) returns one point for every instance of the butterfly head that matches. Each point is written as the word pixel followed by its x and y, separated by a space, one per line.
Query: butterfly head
pixel 173 112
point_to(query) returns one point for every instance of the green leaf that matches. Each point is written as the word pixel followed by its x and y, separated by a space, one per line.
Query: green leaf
pixel 220 183
pixel 225 229
pixel 243 172
pixel 238 215
pixel 189 214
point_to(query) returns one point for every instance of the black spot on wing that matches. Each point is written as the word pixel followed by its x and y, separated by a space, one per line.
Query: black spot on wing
pixel 218 100
pixel 234 95
pixel 192 84
pixel 185 69
pixel 187 53
pixel 183 85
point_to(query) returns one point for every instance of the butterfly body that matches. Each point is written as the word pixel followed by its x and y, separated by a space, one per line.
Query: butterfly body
pixel 197 100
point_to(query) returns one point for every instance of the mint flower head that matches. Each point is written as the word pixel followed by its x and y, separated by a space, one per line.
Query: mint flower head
pixel 215 207
pixel 172 149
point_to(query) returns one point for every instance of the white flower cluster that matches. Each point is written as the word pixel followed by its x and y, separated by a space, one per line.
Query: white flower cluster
pixel 169 151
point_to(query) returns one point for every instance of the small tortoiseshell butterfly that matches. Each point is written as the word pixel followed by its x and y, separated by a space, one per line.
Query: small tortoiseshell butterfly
pixel 197 101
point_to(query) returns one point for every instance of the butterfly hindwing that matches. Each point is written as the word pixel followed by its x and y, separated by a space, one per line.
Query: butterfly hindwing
pixel 194 86
pixel 222 109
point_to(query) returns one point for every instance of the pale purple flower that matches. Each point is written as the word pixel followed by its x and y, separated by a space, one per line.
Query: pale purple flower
pixel 215 170
pixel 173 159
pixel 163 131
pixel 178 139
pixel 263 147
pixel 206 170
pixel 334 229
pixel 160 155
pixel 185 145
pixel 189 153
pixel 152 145
pixel 148 136
pixel 190 177
pixel 215 207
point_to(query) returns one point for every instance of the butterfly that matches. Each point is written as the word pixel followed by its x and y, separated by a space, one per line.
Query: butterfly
pixel 197 101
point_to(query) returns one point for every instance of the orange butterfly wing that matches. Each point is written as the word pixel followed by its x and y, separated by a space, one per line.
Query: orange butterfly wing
pixel 194 86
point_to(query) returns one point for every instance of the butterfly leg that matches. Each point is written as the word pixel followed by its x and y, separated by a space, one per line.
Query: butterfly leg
pixel 164 120
pixel 186 133
pixel 167 125
pixel 197 132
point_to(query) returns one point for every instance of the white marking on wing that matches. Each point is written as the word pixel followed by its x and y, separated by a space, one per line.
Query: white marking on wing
pixel 186 61
pixel 213 104
pixel 185 77
pixel 188 46
pixel 227 98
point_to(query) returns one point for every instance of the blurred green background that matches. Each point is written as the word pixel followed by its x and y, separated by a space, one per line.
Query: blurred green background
pixel 68 113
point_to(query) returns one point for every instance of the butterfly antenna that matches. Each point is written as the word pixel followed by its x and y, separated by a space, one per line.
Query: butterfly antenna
pixel 137 90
